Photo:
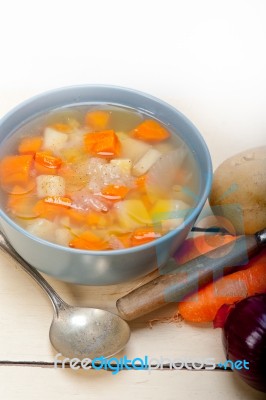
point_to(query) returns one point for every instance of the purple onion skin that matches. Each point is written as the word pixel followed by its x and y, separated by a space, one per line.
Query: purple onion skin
pixel 244 338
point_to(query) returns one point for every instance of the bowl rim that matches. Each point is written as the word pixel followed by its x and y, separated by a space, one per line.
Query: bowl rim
pixel 157 242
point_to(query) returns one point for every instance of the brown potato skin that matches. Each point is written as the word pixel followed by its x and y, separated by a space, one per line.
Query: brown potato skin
pixel 239 190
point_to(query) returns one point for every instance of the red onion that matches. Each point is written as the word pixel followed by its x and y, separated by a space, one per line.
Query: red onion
pixel 244 338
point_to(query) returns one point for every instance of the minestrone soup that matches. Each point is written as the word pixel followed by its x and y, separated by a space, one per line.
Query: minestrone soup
pixel 97 178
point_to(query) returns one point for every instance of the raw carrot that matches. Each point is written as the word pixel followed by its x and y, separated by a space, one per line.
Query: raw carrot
pixel 115 192
pixel 102 144
pixel 15 170
pixel 88 241
pixel 98 119
pixel 30 145
pixel 144 235
pixel 150 131
pixel 203 305
pixel 47 160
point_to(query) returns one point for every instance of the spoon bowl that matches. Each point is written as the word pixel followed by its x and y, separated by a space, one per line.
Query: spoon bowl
pixel 77 332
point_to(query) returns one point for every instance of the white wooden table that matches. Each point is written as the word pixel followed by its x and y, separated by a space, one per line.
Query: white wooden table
pixel 27 358
pixel 205 58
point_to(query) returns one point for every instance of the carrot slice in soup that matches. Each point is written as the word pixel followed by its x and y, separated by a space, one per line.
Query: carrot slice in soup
pixel 62 127
pixel 22 189
pixel 30 145
pixel 22 206
pixel 15 170
pixel 47 160
pixel 98 119
pixel 115 192
pixel 125 239
pixel 40 169
pixel 140 181
pixel 102 144
pixel 88 241
pixel 50 208
pixel 150 131
pixel 144 235
pixel 76 216
pixel 93 218
pixel 58 200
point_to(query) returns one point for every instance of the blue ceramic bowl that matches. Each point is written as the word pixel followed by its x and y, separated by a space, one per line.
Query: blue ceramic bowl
pixel 105 267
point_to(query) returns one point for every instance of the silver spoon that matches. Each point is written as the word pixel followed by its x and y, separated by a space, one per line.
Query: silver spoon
pixel 77 332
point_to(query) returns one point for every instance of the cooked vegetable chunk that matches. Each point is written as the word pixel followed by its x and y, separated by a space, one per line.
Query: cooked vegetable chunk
pixel 102 144
pixel 150 131
pixel 50 185
pixel 146 162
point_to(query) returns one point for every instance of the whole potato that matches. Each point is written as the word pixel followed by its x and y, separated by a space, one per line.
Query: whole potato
pixel 239 190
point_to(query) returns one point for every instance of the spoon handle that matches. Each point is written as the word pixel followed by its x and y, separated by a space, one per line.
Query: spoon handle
pixel 56 300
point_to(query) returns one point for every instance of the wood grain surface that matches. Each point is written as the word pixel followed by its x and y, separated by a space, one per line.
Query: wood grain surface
pixel 205 58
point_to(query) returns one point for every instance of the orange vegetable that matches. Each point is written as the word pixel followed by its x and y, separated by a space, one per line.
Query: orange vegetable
pixel 146 200
pixel 22 206
pixel 140 181
pixel 144 235
pixel 88 241
pixel 115 192
pixel 58 200
pixel 102 144
pixel 47 160
pixel 150 131
pixel 76 216
pixel 98 119
pixel 203 305
pixel 40 169
pixel 52 207
pixel 30 145
pixel 15 170
pixel 93 218
pixel 62 127
pixel 99 219
pixel 125 239
pixel 22 189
